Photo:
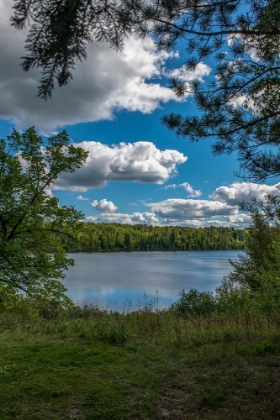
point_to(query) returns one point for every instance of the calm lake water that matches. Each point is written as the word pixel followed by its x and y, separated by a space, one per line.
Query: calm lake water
pixel 128 280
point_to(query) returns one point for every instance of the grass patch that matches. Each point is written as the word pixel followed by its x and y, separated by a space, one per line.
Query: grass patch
pixel 90 364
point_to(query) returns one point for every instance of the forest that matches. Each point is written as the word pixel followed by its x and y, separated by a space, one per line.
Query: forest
pixel 98 237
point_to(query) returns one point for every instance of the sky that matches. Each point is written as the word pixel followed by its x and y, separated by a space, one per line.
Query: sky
pixel 137 170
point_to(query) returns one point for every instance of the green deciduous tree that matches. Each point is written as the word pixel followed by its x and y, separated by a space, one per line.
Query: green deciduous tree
pixel 31 220
pixel 253 286
pixel 194 304
pixel 239 107
pixel 254 283
pixel 262 253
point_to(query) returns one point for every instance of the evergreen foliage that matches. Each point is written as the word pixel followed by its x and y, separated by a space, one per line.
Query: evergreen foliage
pixel 60 32
pixel 239 107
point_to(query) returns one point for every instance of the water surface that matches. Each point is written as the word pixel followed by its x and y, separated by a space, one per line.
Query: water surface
pixel 126 280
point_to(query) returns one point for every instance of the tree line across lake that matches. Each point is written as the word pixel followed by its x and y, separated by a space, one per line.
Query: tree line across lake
pixel 98 237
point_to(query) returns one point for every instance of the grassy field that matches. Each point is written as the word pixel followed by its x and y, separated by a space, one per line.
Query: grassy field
pixel 94 365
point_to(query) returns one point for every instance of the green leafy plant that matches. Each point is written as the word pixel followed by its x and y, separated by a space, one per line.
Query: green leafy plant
pixel 253 286
pixel 32 222
pixel 194 303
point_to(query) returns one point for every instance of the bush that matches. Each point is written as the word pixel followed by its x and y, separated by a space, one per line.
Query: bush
pixel 194 304
pixel 232 298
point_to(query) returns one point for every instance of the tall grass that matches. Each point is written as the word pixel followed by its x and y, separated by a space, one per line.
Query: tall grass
pixel 175 326
pixel 85 363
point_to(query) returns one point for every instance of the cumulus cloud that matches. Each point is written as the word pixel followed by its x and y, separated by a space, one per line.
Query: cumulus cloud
pixel 238 192
pixel 106 81
pixel 138 162
pixel 181 209
pixel 223 211
pixel 104 206
pixel 251 45
pixel 192 192
pixel 80 197
pixel 239 220
pixel 200 72
pixel 241 101
pixel 130 219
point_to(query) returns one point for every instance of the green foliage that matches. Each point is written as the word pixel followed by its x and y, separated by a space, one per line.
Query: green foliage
pixel 81 366
pixel 254 284
pixel 117 237
pixel 194 303
pixel 31 221
pixel 252 288
pixel 233 299
pixel 239 107
pixel 8 298
pixel 263 254
pixel 60 32
pixel 268 294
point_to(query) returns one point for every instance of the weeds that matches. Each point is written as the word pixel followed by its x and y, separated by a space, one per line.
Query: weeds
pixel 86 363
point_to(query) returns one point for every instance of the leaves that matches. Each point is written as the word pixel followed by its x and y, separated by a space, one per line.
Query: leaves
pixel 31 220
pixel 239 107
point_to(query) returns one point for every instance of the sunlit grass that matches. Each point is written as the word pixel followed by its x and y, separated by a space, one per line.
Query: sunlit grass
pixel 147 364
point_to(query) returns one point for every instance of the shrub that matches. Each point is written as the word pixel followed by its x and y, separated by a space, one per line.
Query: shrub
pixel 194 303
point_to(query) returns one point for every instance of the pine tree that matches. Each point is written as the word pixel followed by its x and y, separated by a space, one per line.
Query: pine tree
pixel 239 107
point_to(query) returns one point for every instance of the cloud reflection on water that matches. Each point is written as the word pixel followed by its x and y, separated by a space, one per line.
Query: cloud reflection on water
pixel 118 281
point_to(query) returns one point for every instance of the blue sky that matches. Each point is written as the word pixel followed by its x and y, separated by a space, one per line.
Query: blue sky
pixel 138 171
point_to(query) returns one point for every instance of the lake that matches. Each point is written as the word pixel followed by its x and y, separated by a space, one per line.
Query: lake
pixel 129 280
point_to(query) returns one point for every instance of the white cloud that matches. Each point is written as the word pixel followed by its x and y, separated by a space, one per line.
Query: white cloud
pixel 239 220
pixel 80 197
pixel 49 192
pixel 106 81
pixel 104 206
pixel 180 209
pixel 184 222
pixel 138 162
pixel 200 72
pixel 192 192
pixel 167 187
pixel 251 45
pixel 222 211
pixel 242 101
pixel 238 192
pixel 130 219
pixel 196 213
